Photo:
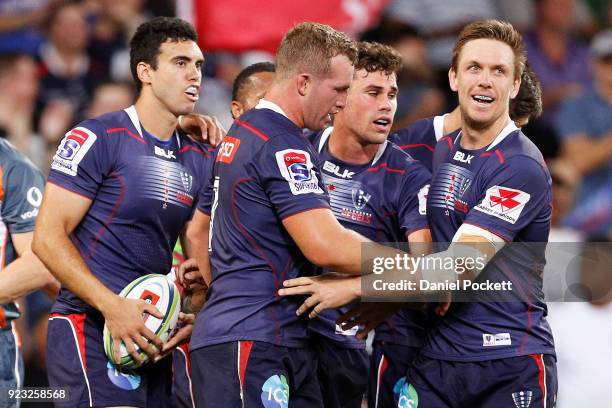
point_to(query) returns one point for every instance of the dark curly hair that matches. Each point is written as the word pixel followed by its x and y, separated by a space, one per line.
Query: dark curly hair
pixel 373 57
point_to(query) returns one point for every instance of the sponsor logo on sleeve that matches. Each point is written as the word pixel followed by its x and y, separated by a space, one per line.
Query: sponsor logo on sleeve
pixel 296 167
pixel 34 197
pixel 73 147
pixel 228 149
pixel 499 339
pixel 504 203
pixel 422 196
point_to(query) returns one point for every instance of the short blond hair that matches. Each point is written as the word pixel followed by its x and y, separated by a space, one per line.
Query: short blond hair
pixel 492 30
pixel 309 47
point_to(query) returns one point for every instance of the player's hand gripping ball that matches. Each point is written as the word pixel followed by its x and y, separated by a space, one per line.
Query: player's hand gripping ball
pixel 161 292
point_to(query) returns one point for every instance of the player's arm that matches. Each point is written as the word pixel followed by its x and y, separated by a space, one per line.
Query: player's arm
pixel 587 154
pixel 26 273
pixel 197 234
pixel 60 213
pixel 202 128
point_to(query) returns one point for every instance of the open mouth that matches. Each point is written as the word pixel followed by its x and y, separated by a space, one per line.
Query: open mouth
pixel 382 124
pixel 483 99
pixel 192 92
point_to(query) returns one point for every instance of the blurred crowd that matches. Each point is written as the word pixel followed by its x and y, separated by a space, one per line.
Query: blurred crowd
pixel 63 61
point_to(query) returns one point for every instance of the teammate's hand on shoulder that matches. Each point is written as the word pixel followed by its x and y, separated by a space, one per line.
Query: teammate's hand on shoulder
pixel 124 319
pixel 328 291
pixel 202 128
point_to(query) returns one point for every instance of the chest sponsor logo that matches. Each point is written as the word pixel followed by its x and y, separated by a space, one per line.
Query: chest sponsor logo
pixel 73 147
pixel 168 154
pixel 522 399
pixel 275 392
pixel 228 150
pixel 504 203
pixel 360 198
pixel 499 339
pixel 422 196
pixel 337 171
pixel 296 167
pixel 463 157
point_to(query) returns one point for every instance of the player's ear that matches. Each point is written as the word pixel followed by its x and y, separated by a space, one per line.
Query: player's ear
pixel 515 88
pixel 452 79
pixel 304 82
pixel 144 72
pixel 236 109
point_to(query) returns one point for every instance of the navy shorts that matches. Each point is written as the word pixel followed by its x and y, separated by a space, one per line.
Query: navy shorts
pixel 249 374
pixel 342 373
pixel 11 365
pixel 516 382
pixel 181 378
pixel 388 366
pixel 76 361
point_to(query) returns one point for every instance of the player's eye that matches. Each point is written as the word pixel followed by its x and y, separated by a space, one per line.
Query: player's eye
pixel 373 93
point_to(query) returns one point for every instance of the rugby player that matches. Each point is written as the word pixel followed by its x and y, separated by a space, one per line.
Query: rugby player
pixel 490 186
pixel 121 188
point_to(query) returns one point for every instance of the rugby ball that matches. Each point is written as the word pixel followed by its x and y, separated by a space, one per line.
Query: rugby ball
pixel 160 291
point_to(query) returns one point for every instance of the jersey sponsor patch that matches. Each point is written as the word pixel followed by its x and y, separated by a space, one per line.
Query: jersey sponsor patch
pixel 499 339
pixel 296 167
pixel 504 203
pixel 422 196
pixel 72 149
pixel 228 149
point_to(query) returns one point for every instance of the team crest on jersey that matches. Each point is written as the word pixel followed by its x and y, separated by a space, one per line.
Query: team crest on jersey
pixel 504 203
pixel 72 149
pixel 187 180
pixel 360 197
pixel 522 399
pixel 296 167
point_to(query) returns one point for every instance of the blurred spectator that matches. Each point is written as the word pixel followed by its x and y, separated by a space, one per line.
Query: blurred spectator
pixel 110 97
pixel 114 24
pixel 19 21
pixel 585 126
pixel 418 95
pixel 556 54
pixel 19 84
pixel 440 21
pixel 68 74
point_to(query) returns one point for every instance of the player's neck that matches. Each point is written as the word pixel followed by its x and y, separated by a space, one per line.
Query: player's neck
pixel 157 120
pixel 452 121
pixel 281 96
pixel 344 145
pixel 473 139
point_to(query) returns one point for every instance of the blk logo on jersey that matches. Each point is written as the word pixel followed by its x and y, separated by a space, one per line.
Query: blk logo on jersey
pixel 463 157
pixel 228 149
pixel 168 154
pixel 337 171
pixel 522 399
pixel 72 149
pixel 296 167
pixel 504 203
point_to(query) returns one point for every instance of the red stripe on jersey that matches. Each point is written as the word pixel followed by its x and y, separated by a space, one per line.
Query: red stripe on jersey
pixel 410 146
pixel 499 156
pixel 253 129
pixel 110 217
pixel 486 154
pixel 193 149
pixel 449 140
pixel 127 132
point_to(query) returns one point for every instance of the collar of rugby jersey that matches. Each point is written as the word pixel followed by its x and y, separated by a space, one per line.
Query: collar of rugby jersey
pixel 263 104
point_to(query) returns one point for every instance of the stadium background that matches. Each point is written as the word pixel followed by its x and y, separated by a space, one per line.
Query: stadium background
pixel 64 61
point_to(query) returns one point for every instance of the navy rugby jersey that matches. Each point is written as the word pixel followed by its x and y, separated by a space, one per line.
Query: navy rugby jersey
pixel 419 139
pixel 504 188
pixel 143 191
pixel 383 200
pixel 265 171
pixel 20 196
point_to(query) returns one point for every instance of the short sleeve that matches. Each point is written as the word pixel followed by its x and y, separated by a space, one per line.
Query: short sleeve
pixel 512 198
pixel 23 185
pixel 287 169
pixel 412 199
pixel 82 159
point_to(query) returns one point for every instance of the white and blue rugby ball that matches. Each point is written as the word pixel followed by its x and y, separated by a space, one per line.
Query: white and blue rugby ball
pixel 160 291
